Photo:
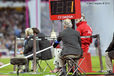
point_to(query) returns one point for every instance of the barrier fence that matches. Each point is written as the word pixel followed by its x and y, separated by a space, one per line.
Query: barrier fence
pixel 34 51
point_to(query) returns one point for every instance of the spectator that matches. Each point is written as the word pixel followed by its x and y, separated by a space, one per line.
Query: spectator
pixel 28 47
pixel 109 55
pixel 71 43
pixel 85 30
pixel 17 31
pixel 43 43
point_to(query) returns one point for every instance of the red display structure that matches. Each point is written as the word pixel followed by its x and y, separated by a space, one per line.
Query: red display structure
pixel 63 9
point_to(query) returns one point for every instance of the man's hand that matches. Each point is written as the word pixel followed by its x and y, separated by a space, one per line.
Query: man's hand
pixel 55 44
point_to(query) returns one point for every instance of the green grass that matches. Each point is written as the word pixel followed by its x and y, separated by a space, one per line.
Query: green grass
pixel 96 63
pixel 95 67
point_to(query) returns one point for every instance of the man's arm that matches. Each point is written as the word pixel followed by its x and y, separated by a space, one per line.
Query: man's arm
pixel 28 47
pixel 59 38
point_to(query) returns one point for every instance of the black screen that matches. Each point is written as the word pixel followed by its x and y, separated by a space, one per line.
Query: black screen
pixel 62 7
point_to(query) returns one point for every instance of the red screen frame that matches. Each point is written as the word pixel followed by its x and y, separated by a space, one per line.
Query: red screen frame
pixel 76 15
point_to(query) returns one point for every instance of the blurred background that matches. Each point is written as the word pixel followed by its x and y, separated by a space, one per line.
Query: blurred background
pixel 16 15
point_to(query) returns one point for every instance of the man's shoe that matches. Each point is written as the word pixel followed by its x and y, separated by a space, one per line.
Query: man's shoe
pixel 109 72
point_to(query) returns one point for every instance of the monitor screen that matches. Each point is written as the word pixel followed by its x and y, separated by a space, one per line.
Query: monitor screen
pixel 62 7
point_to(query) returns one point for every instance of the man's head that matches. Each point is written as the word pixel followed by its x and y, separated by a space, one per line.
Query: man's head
pixel 35 30
pixel 81 19
pixel 28 32
pixel 67 23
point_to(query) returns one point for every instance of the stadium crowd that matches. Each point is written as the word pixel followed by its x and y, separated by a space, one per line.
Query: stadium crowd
pixel 11 17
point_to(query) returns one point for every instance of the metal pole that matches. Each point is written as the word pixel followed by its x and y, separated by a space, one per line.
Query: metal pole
pixel 15 48
pixel 34 53
pixel 53 25
pixel 99 52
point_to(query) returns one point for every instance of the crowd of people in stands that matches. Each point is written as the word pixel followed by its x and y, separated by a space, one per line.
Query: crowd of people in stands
pixel 12 23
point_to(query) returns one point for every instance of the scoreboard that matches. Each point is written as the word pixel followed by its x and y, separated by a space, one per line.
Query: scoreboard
pixel 62 9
